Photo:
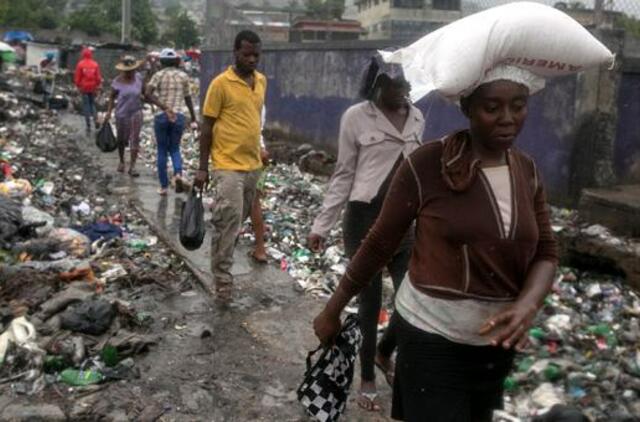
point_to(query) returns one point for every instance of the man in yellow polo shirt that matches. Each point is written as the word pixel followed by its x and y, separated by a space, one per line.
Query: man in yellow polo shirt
pixel 231 124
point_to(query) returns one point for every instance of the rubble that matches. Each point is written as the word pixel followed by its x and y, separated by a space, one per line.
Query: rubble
pixel 74 261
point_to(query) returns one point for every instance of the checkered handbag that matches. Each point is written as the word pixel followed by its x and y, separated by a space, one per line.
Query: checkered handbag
pixel 326 384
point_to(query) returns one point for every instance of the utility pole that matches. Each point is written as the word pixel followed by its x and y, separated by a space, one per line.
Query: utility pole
pixel 598 13
pixel 126 22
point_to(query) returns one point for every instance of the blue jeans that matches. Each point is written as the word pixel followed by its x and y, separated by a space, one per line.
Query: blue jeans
pixel 168 137
pixel 89 108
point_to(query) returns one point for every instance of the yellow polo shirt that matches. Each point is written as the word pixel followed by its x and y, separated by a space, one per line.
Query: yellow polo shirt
pixel 237 109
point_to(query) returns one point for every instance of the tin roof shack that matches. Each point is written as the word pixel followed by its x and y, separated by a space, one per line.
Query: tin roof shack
pixel 37 51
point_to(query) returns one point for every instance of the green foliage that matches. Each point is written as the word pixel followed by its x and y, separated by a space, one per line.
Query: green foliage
pixel 325 9
pixel 629 24
pixel 104 17
pixel 182 32
pixel 32 14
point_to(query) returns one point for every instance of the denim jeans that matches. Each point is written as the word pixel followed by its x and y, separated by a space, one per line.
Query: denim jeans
pixel 89 108
pixel 168 135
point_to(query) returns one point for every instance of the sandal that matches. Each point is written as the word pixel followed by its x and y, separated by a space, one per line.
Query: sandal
pixel 367 401
pixel 121 168
pixel 388 373
pixel 133 173
pixel 162 192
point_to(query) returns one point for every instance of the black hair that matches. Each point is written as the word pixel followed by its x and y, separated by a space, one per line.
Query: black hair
pixel 248 36
pixel 373 80
pixel 172 62
pixel 369 78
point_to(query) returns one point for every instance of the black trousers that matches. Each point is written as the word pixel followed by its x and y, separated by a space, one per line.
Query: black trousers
pixel 358 219
pixel 438 380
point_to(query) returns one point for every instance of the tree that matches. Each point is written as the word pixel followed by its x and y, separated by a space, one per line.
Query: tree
pixel 325 9
pixel 183 31
pixel 629 24
pixel 32 13
pixel 316 9
pixel 335 8
pixel 99 17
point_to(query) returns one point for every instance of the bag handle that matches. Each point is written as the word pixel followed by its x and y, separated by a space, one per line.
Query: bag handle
pixel 313 352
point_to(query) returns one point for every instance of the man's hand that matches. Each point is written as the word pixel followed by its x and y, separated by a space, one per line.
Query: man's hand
pixel 171 115
pixel 201 179
pixel 195 125
pixel 510 327
pixel 106 118
pixel 264 156
pixel 315 242
pixel 327 327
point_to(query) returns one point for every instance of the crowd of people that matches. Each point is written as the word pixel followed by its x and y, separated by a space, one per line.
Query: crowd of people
pixel 461 223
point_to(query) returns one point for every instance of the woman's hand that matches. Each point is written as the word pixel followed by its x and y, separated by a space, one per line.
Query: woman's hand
pixel 510 327
pixel 315 242
pixel 327 326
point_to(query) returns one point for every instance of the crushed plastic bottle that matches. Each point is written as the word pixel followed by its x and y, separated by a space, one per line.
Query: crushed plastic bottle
pixel 77 377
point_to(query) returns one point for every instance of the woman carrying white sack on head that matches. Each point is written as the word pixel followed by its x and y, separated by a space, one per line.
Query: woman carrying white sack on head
pixel 484 256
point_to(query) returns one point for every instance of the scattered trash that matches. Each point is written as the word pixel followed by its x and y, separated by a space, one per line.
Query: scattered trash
pixel 81 378
pixel 90 317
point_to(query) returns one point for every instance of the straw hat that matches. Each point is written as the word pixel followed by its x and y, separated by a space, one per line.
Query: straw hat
pixel 128 63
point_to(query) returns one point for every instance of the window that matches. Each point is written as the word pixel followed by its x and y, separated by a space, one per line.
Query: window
pixel 446 4
pixel 411 30
pixel 408 4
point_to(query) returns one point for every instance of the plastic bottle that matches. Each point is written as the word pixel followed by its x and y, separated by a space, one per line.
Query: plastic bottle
pixel 80 378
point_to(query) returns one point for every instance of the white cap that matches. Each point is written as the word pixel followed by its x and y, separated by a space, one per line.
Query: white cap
pixel 168 53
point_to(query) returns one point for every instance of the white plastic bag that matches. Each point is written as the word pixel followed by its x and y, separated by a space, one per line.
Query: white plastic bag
pixel 20 332
pixel 455 58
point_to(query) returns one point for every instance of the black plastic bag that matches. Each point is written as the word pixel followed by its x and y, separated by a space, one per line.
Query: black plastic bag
pixel 105 139
pixel 192 221
pixel 92 317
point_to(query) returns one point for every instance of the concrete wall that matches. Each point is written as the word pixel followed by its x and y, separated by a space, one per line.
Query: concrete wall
pixel 311 86
pixel 107 57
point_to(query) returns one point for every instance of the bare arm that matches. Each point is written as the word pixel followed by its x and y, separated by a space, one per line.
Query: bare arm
pixel 206 139
pixel 189 103
pixel 112 102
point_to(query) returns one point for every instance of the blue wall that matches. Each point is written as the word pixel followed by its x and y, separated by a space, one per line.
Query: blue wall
pixel 310 88
pixel 627 146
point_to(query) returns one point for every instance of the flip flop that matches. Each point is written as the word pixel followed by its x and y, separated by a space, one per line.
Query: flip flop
pixel 367 401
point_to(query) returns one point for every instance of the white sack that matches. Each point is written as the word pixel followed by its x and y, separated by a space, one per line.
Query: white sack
pixel 455 58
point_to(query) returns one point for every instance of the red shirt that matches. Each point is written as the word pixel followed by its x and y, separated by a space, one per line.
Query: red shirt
pixel 87 76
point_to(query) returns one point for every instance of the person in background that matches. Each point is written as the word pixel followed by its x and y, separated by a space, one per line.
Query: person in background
pixel 483 261
pixel 376 135
pixel 49 62
pixel 47 70
pixel 88 80
pixel 230 136
pixel 127 94
pixel 169 88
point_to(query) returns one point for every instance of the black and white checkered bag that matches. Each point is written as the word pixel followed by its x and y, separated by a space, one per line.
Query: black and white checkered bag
pixel 326 384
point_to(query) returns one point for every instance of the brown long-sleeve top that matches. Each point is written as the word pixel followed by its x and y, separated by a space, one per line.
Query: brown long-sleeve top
pixel 461 249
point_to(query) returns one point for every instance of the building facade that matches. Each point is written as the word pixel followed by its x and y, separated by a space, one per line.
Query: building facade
pixel 405 19
pixel 313 30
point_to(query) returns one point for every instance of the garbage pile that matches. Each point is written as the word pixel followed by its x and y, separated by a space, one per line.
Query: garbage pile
pixel 73 262
pixel 584 351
